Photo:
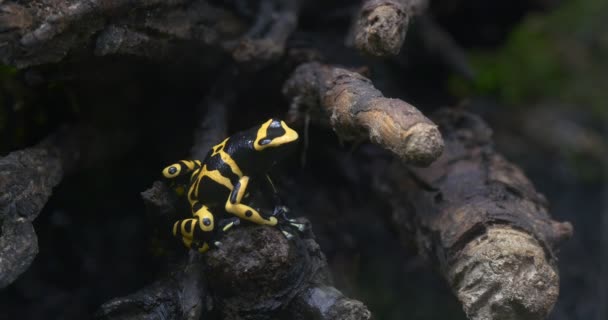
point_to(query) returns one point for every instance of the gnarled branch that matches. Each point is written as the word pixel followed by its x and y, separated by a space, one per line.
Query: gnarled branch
pixel 481 220
pixel 357 110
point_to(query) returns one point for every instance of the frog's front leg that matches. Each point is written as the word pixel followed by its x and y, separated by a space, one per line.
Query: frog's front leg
pixel 243 211
pixel 280 210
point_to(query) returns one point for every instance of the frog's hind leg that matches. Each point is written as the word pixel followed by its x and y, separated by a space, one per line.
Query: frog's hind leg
pixel 243 211
pixel 185 230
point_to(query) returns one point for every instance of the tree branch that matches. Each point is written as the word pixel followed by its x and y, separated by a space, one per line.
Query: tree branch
pixel 481 220
pixel 381 25
pixel 357 110
pixel 44 32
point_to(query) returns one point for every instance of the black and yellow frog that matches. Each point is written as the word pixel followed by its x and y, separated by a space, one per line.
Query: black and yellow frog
pixel 218 184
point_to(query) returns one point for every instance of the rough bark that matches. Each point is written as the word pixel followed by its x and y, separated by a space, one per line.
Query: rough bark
pixel 259 274
pixel 27 179
pixel 481 220
pixel 381 25
pixel 40 32
pixel 357 110
pixel 179 296
pixel 256 274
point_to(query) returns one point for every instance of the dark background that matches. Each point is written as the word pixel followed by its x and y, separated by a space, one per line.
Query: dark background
pixel 539 80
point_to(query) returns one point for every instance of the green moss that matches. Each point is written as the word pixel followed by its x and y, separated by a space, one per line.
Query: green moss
pixel 560 56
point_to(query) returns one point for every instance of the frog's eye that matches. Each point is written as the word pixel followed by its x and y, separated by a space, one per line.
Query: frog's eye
pixel 172 171
pixel 207 221
pixel 274 133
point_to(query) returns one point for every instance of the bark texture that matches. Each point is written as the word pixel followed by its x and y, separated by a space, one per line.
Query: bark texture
pixel 357 111
pixel 381 25
pixel 481 220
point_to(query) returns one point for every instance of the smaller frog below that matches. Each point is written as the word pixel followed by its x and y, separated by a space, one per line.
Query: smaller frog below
pixel 217 186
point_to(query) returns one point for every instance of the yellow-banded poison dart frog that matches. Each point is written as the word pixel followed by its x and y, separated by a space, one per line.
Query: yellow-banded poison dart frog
pixel 217 185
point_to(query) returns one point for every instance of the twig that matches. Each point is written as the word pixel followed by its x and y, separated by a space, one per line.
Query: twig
pixel 381 26
pixel 357 110
pixel 481 220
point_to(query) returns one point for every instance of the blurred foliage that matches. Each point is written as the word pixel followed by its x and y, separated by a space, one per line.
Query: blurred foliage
pixel 561 55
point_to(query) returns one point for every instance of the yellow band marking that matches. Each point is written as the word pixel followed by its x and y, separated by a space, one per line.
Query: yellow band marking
pixel 244 182
pixel 175 225
pixel 219 147
pixel 231 163
pixel 189 164
pixel 261 134
pixel 185 232
pixel 214 175
pixel 244 211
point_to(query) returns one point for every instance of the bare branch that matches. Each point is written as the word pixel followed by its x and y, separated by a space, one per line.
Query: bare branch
pixel 382 25
pixel 43 32
pixel 481 220
pixel 357 110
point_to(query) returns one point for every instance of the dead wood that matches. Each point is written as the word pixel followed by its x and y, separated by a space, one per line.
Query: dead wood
pixel 42 32
pixel 259 274
pixel 381 25
pixel 357 110
pixel 481 220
